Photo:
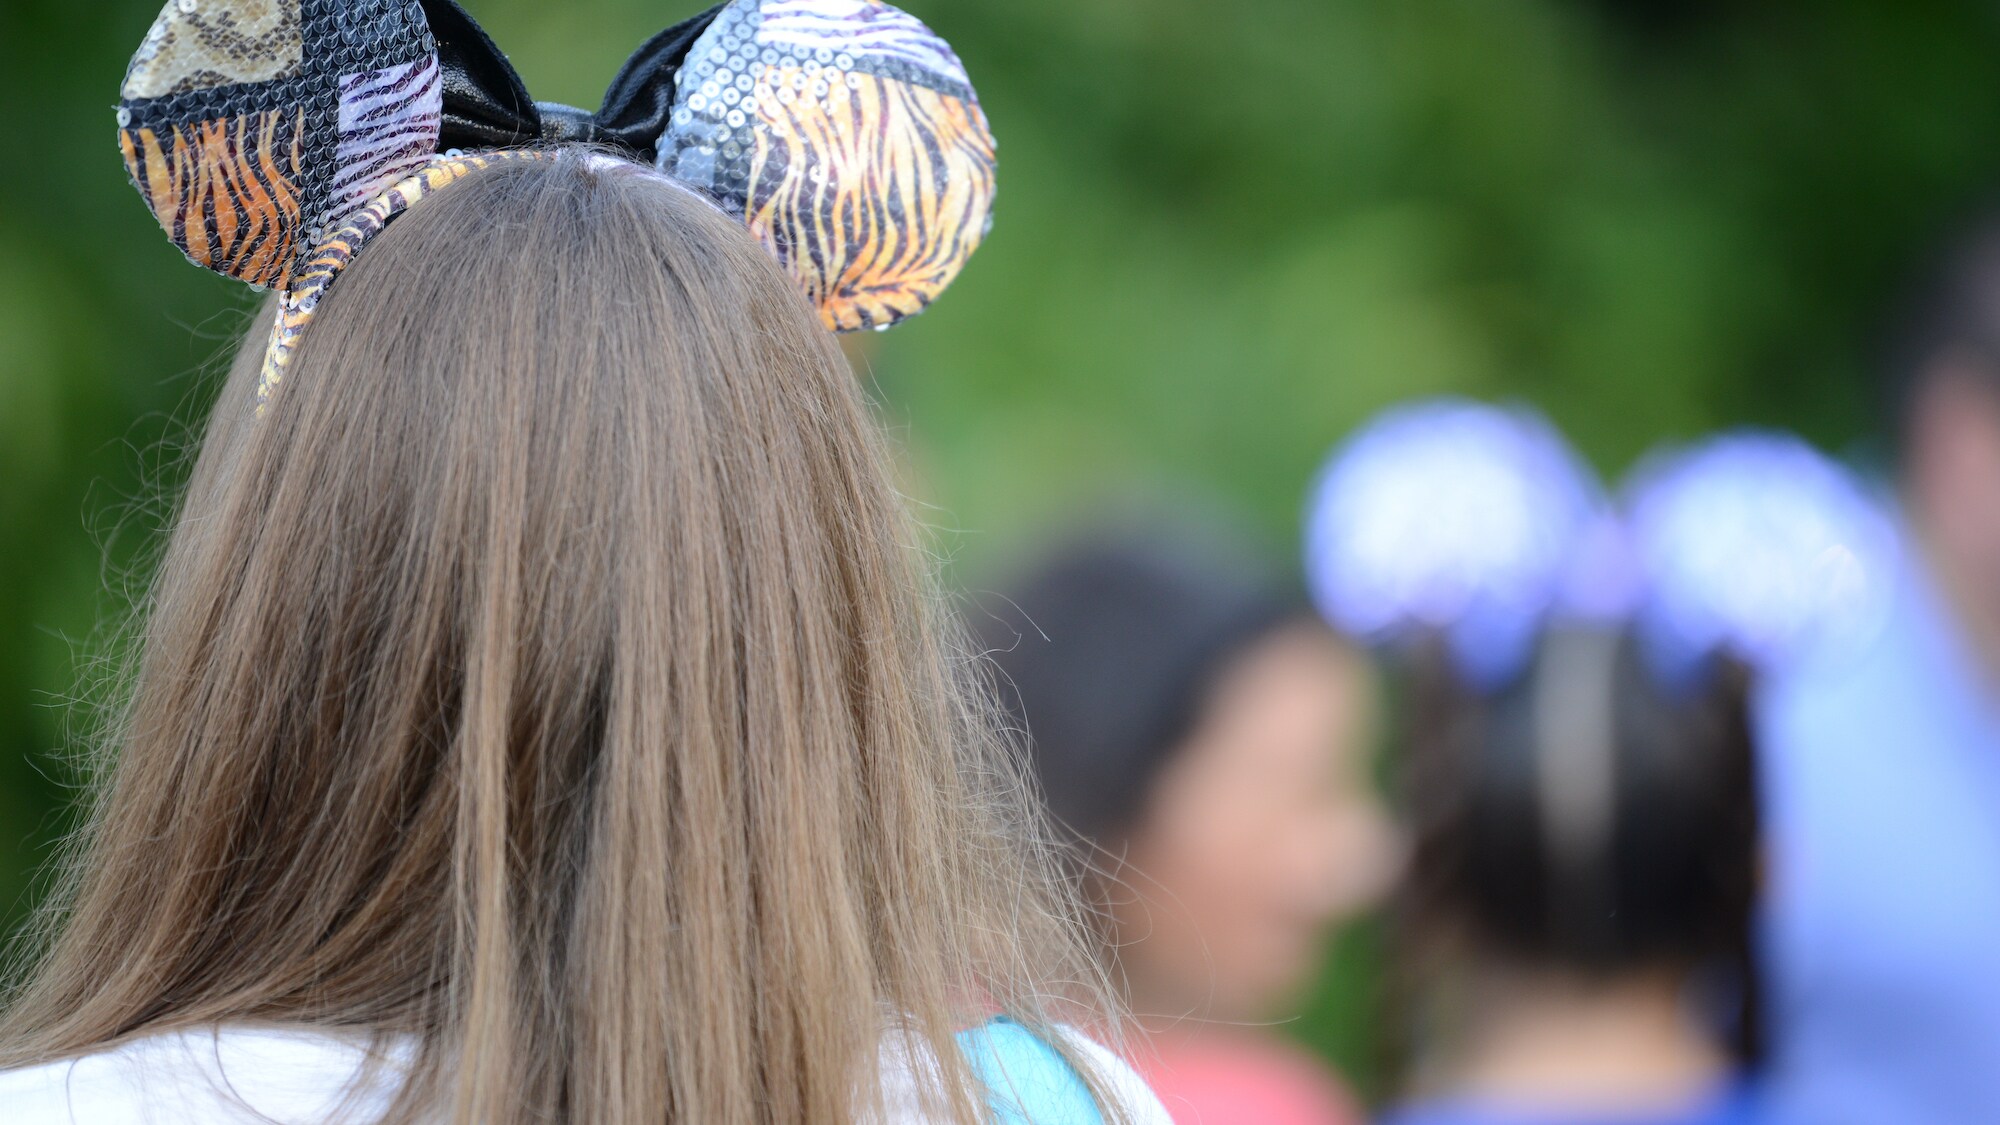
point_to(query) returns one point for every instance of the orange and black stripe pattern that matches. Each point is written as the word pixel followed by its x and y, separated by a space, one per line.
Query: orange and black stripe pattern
pixel 225 191
pixel 251 127
pixel 874 194
pixel 847 136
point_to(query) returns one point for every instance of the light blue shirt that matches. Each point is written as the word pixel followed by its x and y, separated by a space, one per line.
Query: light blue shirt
pixel 1881 934
pixel 1029 1082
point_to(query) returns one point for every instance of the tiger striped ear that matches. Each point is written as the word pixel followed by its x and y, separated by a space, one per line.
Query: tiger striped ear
pixel 847 136
pixel 252 127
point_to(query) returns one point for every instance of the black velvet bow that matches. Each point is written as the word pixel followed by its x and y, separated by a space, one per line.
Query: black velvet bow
pixel 486 105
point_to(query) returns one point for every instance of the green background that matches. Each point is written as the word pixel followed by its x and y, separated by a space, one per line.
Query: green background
pixel 1227 231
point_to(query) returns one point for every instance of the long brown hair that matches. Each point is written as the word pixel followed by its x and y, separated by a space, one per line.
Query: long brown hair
pixel 552 676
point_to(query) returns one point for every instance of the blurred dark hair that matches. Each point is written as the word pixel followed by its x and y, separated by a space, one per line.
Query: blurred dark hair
pixel 1952 305
pixel 1585 818
pixel 1105 652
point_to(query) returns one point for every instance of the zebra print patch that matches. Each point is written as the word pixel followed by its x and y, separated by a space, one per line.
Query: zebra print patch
pixel 866 30
pixel 388 128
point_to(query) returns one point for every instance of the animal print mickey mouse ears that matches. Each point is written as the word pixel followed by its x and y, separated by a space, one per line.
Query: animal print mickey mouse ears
pixel 271 137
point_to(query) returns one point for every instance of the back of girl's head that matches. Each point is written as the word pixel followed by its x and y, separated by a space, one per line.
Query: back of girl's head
pixel 1586 818
pixel 546 674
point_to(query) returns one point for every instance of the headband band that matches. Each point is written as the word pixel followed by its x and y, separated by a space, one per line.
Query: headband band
pixel 1479 525
pixel 272 138
pixel 297 304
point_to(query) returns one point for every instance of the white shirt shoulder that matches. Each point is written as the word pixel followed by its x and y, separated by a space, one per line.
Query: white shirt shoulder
pixel 290 1077
pixel 303 1077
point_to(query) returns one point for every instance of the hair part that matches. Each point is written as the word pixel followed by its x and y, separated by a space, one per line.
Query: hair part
pixel 552 677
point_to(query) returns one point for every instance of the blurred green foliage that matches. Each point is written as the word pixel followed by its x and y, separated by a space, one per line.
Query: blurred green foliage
pixel 1227 232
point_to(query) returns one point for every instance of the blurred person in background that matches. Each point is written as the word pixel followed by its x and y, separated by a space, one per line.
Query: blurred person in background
pixel 1205 739
pixel 1883 768
pixel 1583 862
pixel 1578 774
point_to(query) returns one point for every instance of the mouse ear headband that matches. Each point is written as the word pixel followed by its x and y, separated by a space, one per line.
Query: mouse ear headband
pixel 1451 520
pixel 1756 544
pixel 273 138
pixel 1477 525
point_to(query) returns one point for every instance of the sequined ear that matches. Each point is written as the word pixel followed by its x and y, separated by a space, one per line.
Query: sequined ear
pixel 252 127
pixel 846 134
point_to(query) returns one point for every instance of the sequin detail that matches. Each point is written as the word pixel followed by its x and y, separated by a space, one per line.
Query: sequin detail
pixel 194 46
pixel 247 125
pixel 845 134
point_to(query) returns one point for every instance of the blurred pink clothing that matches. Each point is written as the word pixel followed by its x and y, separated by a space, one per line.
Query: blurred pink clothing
pixel 1233 1077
